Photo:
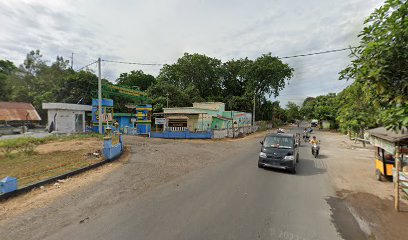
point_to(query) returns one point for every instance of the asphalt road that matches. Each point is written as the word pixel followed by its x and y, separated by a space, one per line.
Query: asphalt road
pixel 232 199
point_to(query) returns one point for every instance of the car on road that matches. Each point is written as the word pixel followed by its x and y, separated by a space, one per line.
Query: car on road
pixel 279 150
pixel 314 123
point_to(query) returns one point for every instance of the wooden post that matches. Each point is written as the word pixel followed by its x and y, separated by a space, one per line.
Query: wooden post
pixel 396 185
pixel 362 137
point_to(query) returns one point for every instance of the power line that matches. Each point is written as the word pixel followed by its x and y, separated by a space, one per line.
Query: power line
pixel 317 53
pixel 79 69
pixel 285 57
pixel 161 64
pixel 134 63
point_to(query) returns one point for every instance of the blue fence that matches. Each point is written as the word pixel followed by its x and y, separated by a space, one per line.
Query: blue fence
pixel 112 151
pixel 183 135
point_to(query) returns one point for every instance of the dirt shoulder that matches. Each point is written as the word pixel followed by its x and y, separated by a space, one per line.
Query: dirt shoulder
pixel 351 170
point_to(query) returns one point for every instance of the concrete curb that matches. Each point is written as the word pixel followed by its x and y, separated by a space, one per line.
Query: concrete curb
pixel 5 196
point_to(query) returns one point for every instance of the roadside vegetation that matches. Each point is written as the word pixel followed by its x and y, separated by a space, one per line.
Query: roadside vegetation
pixel 378 93
pixel 34 159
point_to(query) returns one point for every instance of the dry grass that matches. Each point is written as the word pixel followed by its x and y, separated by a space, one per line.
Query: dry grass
pixel 40 164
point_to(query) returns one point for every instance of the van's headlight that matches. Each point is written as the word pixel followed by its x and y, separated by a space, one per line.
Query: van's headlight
pixel 262 154
pixel 289 157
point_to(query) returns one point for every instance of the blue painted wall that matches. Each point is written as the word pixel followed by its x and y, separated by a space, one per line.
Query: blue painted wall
pixel 182 135
pixel 111 151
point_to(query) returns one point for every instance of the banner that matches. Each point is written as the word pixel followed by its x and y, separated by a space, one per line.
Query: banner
pixel 160 121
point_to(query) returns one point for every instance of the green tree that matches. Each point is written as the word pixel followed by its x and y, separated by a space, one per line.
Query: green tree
pixel 233 77
pixel 307 109
pixel 292 112
pixel 78 87
pixel 6 69
pixel 36 82
pixel 326 107
pixel 380 62
pixel 176 96
pixel 267 75
pixel 194 70
pixel 356 112
pixel 136 79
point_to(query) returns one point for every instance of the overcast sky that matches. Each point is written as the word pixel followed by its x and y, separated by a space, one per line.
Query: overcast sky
pixel 161 31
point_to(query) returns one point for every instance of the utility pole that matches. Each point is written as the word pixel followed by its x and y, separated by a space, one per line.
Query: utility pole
pixel 167 100
pixel 99 96
pixel 253 114
pixel 72 61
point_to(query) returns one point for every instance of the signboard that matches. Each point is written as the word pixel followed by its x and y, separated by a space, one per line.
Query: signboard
pixel 378 142
pixel 160 121
pixel 106 117
pixel 178 124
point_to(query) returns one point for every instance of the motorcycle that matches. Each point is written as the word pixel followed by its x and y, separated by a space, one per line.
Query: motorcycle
pixel 306 137
pixel 315 150
pixel 280 130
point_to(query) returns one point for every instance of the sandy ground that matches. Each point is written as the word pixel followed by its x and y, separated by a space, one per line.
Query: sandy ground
pixel 91 144
pixel 351 170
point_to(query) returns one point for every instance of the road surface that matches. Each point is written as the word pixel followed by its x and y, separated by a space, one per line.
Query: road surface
pixel 232 199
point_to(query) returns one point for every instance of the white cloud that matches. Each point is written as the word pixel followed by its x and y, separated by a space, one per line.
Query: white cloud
pixel 161 31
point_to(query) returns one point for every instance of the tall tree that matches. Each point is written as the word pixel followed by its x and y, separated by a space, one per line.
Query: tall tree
pixel 78 87
pixel 200 71
pixel 292 112
pixel 6 69
pixel 136 79
pixel 233 77
pixel 267 75
pixel 381 61
pixel 356 112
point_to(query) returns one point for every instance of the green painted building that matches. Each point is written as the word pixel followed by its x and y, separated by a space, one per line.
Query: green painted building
pixel 204 116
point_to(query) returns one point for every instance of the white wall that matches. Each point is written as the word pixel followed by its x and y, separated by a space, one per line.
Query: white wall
pixel 65 120
pixel 216 106
pixel 220 133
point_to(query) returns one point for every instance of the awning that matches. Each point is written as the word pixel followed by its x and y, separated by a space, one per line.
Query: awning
pixel 389 135
pixel 223 118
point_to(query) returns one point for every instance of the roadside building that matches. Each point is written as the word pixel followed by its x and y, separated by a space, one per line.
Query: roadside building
pixel 204 116
pixel 18 112
pixel 65 117
pixel 13 115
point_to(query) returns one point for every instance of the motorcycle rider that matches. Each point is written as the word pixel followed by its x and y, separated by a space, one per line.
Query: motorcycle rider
pixel 305 134
pixel 313 142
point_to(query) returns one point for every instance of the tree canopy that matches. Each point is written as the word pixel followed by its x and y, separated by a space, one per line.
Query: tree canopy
pixel 192 78
pixel 380 62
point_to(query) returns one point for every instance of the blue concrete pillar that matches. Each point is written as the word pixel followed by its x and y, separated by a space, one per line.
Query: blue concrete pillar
pixel 107 145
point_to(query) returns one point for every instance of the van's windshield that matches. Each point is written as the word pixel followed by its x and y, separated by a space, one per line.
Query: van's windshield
pixel 278 142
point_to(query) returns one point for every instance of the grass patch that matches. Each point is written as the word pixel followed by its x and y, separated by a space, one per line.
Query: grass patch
pixel 18 158
pixel 35 167
pixel 27 144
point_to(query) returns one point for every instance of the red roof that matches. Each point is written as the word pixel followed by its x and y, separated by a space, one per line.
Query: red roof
pixel 15 111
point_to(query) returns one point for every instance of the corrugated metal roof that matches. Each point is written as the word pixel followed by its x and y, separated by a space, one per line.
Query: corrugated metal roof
pixel 389 135
pixel 16 111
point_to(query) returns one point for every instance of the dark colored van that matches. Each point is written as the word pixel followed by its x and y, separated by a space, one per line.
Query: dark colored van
pixel 279 150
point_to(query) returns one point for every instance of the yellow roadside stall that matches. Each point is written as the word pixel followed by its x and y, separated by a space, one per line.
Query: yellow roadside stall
pixel 391 153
